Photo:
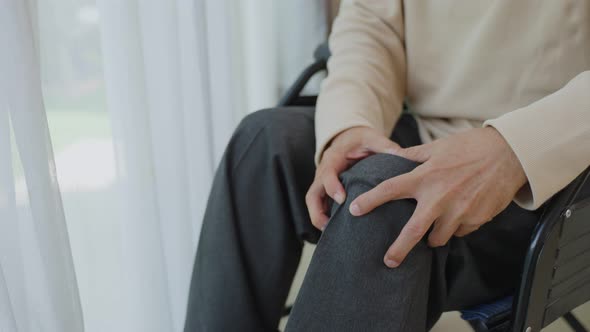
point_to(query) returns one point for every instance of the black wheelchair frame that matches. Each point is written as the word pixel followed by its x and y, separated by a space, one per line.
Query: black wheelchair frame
pixel 556 273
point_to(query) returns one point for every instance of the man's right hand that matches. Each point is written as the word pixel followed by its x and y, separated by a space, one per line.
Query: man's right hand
pixel 346 148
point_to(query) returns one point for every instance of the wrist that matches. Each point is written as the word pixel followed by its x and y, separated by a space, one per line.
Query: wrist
pixel 516 170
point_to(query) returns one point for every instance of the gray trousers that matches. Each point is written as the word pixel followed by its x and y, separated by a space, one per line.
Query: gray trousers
pixel 256 222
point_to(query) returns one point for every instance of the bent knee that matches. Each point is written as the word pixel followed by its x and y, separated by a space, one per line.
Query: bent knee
pixel 377 168
pixel 278 120
pixel 389 218
pixel 268 133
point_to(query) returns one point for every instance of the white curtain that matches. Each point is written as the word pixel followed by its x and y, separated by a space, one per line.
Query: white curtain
pixel 37 282
pixel 121 110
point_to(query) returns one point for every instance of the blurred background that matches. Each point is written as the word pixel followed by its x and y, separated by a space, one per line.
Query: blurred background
pixel 113 115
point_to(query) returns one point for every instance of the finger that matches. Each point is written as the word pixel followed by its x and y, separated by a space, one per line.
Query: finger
pixel 332 165
pixel 382 144
pixel 411 234
pixel 465 230
pixel 316 208
pixel 374 144
pixel 443 230
pixel 418 153
pixel 395 188
pixel 333 186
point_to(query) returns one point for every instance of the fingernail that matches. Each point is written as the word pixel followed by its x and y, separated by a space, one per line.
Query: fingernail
pixel 339 197
pixel 323 228
pixel 354 209
pixel 391 263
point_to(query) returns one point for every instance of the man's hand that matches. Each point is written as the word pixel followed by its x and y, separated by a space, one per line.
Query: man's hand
pixel 346 148
pixel 463 182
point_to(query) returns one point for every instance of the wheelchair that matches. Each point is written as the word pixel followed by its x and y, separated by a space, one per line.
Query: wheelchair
pixel 555 278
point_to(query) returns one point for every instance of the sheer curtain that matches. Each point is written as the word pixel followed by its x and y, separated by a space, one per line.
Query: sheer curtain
pixel 37 281
pixel 113 115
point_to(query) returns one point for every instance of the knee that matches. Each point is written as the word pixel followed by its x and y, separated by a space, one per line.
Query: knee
pixel 259 119
pixel 375 169
pixel 278 129
pixel 265 135
pixel 365 239
pixel 278 121
pixel 384 223
pixel 364 176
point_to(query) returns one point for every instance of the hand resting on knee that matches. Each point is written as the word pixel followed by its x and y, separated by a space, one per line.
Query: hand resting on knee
pixel 464 181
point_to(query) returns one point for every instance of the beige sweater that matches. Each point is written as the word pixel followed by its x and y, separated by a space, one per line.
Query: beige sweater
pixel 520 66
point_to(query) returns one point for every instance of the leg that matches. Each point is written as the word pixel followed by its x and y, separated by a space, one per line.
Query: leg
pixel 255 223
pixel 347 287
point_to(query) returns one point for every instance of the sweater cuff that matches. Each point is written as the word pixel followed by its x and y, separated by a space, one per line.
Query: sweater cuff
pixel 550 138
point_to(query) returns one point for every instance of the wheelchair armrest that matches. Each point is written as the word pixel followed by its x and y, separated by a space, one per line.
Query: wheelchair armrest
pixel 541 268
pixel 293 95
pixel 322 52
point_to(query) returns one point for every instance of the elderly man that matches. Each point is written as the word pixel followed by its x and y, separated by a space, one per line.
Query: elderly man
pixel 417 212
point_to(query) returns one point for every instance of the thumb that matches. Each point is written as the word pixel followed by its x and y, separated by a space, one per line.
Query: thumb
pixel 373 144
pixel 382 144
pixel 417 153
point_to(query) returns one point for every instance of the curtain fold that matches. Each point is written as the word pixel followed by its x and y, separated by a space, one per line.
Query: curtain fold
pixel 9 245
pixel 146 303
pixel 144 65
pixel 37 270
pixel 7 321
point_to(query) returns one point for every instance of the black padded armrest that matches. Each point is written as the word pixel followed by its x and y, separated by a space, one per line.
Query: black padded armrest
pixel 293 95
pixel 322 52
